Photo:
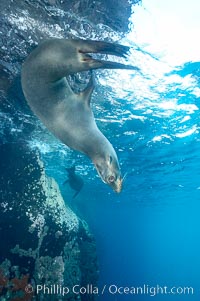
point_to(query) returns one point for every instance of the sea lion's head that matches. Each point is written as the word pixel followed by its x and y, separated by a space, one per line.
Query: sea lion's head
pixel 109 171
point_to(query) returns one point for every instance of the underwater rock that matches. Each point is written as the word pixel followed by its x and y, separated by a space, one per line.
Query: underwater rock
pixel 44 242
pixel 112 13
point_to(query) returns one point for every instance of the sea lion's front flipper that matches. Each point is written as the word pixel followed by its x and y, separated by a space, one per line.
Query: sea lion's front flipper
pixel 86 94
pixel 89 46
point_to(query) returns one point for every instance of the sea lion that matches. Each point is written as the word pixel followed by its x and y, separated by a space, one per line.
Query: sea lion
pixel 74 180
pixel 66 114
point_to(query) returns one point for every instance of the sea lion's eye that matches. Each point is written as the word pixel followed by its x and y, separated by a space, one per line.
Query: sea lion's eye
pixel 111 179
pixel 111 159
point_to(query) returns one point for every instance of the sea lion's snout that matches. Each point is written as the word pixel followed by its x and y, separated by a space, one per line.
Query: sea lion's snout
pixel 109 170
pixel 115 183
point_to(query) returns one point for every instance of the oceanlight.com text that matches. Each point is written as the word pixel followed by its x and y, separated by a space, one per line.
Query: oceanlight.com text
pixel 113 289
pixel 151 290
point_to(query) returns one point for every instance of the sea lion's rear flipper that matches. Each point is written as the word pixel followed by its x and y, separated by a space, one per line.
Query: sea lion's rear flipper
pixel 89 46
pixel 90 63
pixel 100 64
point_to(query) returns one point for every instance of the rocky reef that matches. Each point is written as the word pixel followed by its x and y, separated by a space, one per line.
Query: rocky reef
pixel 43 241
